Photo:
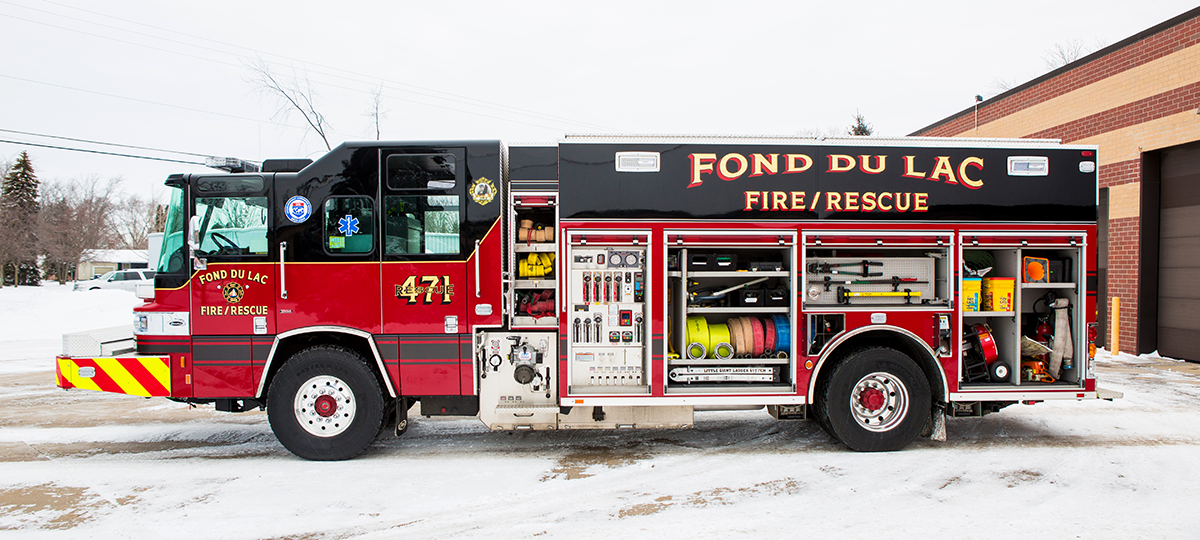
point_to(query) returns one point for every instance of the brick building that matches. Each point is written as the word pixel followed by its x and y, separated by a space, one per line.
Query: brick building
pixel 1139 101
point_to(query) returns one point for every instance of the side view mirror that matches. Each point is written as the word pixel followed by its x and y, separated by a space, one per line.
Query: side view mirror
pixel 194 233
pixel 194 243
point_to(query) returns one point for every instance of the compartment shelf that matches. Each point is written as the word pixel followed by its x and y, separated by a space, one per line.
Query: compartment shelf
pixel 737 310
pixel 729 362
pixel 746 274
pixel 535 248
pixel 533 284
pixel 1047 285
pixel 729 388
pixel 983 314
pixel 525 320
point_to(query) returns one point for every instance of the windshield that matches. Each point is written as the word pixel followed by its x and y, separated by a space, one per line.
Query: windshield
pixel 171 256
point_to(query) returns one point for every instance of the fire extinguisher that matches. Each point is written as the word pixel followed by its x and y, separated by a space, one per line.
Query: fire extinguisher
pixel 1044 332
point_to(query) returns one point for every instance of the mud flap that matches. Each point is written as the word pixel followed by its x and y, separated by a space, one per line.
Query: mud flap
pixel 935 428
pixel 148 376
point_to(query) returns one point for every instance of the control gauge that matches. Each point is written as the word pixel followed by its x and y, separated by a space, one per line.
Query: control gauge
pixel 631 259
pixel 495 361
pixel 614 260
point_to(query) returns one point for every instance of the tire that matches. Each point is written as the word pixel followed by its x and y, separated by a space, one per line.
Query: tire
pixel 325 404
pixel 1000 371
pixel 876 400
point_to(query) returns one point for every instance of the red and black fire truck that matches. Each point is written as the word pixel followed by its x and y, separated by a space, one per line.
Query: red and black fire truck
pixel 876 285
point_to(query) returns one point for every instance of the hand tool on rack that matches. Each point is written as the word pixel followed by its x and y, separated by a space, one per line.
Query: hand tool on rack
pixel 895 282
pixel 830 268
pixel 844 294
pixel 717 295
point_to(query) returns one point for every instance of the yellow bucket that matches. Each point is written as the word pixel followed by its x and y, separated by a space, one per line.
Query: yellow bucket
pixel 971 290
pixel 998 293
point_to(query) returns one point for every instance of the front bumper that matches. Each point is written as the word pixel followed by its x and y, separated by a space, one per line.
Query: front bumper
pixel 148 376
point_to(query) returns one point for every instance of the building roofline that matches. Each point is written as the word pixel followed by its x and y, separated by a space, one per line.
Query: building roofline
pixel 1190 14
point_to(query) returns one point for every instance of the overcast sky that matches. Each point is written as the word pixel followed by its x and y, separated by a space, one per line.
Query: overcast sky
pixel 174 75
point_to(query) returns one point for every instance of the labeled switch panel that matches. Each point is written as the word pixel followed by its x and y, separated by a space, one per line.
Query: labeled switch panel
pixel 607 318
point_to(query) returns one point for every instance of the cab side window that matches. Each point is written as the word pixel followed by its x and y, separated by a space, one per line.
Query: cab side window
pixel 422 224
pixel 423 217
pixel 349 224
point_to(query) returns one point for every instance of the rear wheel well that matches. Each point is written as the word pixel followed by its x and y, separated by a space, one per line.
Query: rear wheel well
pixel 888 339
pixel 291 345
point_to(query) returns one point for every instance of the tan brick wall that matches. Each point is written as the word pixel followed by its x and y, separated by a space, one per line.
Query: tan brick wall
pixel 1125 201
pixel 1172 71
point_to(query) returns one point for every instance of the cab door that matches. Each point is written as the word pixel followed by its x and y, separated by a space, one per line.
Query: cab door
pixel 424 274
pixel 232 295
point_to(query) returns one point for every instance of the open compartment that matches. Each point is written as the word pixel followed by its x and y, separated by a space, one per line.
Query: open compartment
pixel 874 270
pixel 1007 331
pixel 731 312
pixel 607 316
pixel 534 261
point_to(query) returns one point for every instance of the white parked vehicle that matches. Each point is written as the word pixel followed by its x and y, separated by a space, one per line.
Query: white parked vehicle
pixel 126 280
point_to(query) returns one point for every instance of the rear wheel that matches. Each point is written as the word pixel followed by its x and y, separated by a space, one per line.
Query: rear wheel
pixel 325 404
pixel 876 400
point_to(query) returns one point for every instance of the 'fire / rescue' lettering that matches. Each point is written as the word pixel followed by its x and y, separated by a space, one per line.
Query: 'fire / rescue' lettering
pixel 845 201
pixel 233 309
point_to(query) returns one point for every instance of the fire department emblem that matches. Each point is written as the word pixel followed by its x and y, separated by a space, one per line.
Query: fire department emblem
pixel 483 191
pixel 233 292
pixel 298 209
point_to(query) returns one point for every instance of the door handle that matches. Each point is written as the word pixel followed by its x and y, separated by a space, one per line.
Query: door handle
pixel 282 274
pixel 478 291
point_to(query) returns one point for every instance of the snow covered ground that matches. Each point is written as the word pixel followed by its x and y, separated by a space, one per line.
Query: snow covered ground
pixel 83 464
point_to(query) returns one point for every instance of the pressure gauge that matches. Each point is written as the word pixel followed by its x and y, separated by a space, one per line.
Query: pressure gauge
pixel 614 260
pixel 495 361
pixel 631 259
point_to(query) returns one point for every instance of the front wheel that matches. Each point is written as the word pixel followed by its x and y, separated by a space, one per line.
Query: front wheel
pixel 876 400
pixel 325 404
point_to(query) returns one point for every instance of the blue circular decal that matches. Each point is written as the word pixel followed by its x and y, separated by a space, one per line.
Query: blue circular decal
pixel 298 209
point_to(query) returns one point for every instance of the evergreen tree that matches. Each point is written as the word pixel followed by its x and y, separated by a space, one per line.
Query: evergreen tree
pixel 18 224
pixel 860 127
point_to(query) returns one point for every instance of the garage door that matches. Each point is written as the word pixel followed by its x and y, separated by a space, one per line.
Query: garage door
pixel 1179 254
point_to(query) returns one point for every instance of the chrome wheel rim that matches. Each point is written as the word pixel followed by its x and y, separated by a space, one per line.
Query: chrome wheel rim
pixel 325 406
pixel 879 402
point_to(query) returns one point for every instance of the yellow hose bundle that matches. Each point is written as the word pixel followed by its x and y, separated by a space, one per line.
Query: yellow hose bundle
pixel 536 265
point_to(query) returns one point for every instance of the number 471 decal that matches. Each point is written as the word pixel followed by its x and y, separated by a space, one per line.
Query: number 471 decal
pixel 429 286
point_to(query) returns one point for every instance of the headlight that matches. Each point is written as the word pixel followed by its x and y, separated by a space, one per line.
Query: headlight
pixel 140 323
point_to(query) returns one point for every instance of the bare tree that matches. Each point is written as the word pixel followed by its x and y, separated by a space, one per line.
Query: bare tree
pixel 133 220
pixel 1063 53
pixel 373 110
pixel 75 219
pixel 295 94
pixel 1001 85
pixel 819 133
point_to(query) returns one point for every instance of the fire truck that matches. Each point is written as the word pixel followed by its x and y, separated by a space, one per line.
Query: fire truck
pixel 876 285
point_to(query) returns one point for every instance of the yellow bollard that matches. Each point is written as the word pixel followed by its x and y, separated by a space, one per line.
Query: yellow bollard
pixel 1115 331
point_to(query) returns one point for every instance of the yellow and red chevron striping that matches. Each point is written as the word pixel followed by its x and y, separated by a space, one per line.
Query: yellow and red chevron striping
pixel 148 376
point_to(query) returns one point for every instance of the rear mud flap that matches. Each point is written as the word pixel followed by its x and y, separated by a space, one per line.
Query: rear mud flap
pixel 148 376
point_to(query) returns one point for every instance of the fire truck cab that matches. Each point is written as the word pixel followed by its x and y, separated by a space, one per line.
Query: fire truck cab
pixel 876 285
